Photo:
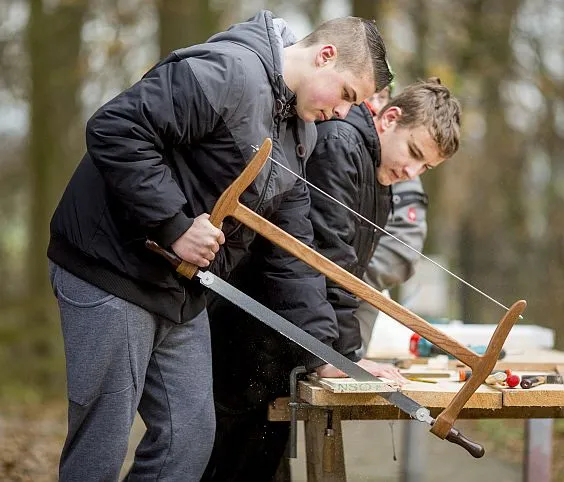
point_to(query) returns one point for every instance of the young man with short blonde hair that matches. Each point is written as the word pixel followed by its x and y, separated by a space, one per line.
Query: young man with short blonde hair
pixel 355 161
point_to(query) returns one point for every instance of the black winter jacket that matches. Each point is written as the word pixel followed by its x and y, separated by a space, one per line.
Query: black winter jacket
pixel 161 153
pixel 344 164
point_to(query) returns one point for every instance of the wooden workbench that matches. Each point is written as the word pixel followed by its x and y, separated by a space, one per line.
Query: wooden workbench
pixel 542 402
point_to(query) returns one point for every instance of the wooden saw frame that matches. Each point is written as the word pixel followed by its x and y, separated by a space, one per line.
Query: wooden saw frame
pixel 482 365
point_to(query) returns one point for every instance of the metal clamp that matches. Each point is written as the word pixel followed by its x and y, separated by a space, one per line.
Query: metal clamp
pixel 294 405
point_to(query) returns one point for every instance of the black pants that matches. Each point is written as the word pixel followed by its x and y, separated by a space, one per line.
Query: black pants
pixel 251 367
pixel 247 447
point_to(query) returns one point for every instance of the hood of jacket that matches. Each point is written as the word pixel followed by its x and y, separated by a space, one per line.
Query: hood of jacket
pixel 266 36
pixel 269 48
pixel 361 118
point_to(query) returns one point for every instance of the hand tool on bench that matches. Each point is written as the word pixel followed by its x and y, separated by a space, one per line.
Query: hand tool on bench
pixel 529 381
pixel 229 205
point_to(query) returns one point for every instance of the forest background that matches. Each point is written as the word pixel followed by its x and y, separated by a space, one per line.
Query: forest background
pixel 496 213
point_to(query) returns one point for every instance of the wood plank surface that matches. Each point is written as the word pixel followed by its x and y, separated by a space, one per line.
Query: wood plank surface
pixel 543 401
pixel 430 395
pixel 542 396
pixel 350 385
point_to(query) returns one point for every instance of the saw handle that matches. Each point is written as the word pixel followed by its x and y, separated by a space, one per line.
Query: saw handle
pixel 181 266
pixel 457 437
pixel 170 257
pixel 223 207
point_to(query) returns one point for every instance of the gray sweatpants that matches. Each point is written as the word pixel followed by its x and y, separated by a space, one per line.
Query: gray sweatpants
pixel 120 359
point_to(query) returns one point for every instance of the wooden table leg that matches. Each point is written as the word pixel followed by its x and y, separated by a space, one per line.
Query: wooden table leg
pixel 537 463
pixel 325 458
pixel 413 464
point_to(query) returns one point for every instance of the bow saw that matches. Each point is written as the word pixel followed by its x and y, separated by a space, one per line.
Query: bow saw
pixel 482 365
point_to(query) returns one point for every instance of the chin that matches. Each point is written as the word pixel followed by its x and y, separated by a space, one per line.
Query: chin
pixel 384 181
pixel 305 116
pixel 308 117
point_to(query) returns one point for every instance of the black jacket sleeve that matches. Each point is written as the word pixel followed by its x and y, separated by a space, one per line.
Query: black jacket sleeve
pixel 126 139
pixel 334 168
pixel 293 289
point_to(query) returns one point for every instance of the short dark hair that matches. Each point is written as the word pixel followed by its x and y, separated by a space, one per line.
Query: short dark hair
pixel 383 75
pixel 358 43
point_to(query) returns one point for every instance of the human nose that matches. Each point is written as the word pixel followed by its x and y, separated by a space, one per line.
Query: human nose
pixel 342 110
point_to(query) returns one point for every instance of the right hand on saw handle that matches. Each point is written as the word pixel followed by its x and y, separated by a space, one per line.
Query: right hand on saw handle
pixel 200 243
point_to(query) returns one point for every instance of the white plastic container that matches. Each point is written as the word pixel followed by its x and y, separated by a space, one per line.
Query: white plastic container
pixel 390 338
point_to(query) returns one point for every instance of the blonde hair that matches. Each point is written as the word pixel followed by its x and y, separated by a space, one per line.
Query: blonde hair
pixel 429 103
pixel 359 45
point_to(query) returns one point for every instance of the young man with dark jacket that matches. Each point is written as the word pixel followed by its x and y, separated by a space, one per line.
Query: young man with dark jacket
pixel 355 161
pixel 158 157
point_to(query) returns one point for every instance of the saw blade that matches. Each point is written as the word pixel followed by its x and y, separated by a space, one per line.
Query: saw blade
pixel 310 343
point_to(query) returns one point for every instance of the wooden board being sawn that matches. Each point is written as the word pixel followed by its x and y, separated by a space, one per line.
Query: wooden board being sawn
pixel 430 395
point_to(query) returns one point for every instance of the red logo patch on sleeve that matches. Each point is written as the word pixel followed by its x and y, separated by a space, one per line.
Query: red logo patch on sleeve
pixel 411 215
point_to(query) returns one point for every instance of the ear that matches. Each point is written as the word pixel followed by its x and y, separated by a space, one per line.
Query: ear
pixel 390 117
pixel 325 55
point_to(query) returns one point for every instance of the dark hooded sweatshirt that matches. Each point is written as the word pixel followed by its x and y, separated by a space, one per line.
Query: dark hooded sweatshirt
pixel 344 165
pixel 162 152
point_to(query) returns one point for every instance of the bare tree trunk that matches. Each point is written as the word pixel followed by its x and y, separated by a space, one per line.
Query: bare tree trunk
pixel 495 213
pixel 184 23
pixel 55 142
pixel 367 9
pixel 546 255
pixel 419 14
